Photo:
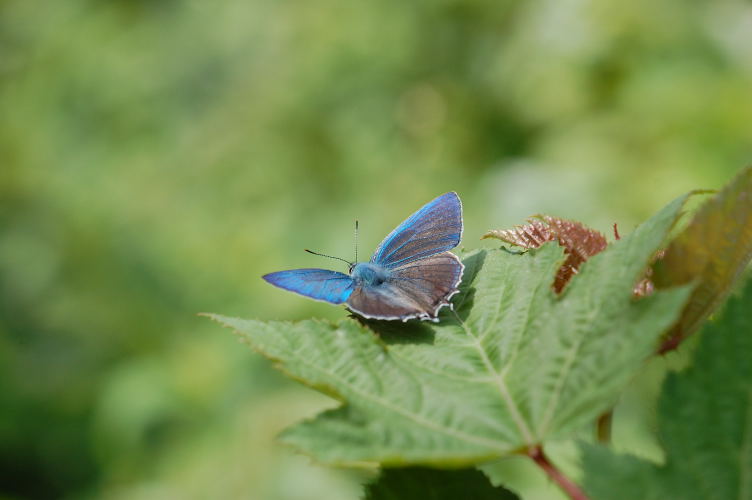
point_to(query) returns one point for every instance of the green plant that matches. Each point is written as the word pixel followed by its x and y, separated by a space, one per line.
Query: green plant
pixel 537 346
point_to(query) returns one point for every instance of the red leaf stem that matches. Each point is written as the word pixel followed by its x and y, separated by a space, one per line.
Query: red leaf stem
pixel 570 488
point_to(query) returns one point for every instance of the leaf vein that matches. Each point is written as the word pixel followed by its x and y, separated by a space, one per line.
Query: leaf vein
pixel 410 416
pixel 561 380
pixel 502 387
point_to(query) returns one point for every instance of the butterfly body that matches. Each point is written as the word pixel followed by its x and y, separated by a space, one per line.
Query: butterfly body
pixel 368 274
pixel 412 274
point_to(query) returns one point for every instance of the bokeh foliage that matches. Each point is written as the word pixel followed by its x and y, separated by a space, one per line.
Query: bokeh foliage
pixel 156 157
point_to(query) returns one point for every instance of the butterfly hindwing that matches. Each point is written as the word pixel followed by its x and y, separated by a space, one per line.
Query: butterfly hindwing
pixel 415 290
pixel 319 284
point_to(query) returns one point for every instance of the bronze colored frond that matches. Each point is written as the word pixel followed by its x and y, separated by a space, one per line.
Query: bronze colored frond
pixel 579 241
pixel 531 235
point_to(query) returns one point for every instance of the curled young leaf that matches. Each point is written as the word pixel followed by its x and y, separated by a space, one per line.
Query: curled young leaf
pixel 711 251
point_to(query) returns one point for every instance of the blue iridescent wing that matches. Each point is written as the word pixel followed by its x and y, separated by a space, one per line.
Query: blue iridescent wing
pixel 437 227
pixel 319 284
pixel 414 290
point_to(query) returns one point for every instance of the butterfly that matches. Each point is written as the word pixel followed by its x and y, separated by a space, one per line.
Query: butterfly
pixel 411 274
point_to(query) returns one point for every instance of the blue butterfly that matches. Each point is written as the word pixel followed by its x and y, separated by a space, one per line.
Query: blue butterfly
pixel 410 275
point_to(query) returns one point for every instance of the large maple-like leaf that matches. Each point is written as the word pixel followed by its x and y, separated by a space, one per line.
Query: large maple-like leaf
pixel 705 425
pixel 512 365
pixel 712 251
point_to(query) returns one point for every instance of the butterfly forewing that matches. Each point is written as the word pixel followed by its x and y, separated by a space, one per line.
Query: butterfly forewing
pixel 319 284
pixel 435 228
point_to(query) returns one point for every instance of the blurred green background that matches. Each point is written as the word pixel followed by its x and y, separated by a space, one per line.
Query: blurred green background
pixel 157 157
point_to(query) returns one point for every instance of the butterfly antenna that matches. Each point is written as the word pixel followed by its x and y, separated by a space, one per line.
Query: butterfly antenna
pixel 330 256
pixel 356 240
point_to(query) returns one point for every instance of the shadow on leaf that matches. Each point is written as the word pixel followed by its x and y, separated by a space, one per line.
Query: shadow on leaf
pixel 463 301
pixel 393 332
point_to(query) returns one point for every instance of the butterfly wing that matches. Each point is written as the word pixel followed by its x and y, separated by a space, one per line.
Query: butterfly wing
pixel 319 284
pixel 414 290
pixel 435 228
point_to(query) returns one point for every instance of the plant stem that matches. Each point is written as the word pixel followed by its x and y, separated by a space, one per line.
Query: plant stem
pixel 603 427
pixel 670 344
pixel 570 488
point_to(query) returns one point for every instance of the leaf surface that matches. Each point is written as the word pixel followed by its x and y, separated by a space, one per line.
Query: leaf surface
pixel 705 424
pixel 512 365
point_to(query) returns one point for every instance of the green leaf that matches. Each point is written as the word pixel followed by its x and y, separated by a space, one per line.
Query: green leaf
pixel 511 366
pixel 433 484
pixel 705 424
pixel 712 251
